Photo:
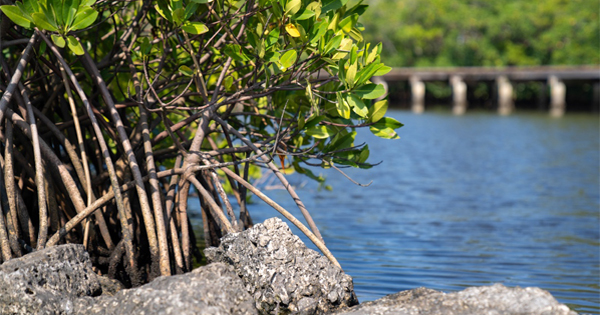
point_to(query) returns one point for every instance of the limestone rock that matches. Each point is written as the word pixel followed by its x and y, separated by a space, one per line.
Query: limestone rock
pixel 45 281
pixel 213 289
pixel 281 273
pixel 490 300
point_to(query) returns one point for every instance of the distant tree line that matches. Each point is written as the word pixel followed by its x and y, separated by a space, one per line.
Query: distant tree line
pixel 438 33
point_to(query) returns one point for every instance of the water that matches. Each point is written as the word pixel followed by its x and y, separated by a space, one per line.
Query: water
pixel 467 201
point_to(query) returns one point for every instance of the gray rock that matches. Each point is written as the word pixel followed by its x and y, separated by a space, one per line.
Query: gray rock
pixel 213 289
pixel 281 273
pixel 45 282
pixel 491 300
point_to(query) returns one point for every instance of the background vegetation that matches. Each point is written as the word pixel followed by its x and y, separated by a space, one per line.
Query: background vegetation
pixel 439 33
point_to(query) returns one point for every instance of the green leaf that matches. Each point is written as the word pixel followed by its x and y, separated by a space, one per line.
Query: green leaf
pixel 342 106
pixel 329 5
pixel 228 82
pixel 84 18
pixel 31 6
pixel 15 15
pixel 58 40
pixel 384 132
pixel 235 52
pixel 390 122
pixel 40 21
pixel 164 12
pixel 318 31
pixel 309 95
pixel 320 132
pixel 287 59
pixel 348 23
pixel 377 111
pixel 358 106
pixel 190 9
pixel 145 46
pixel 315 7
pixel 374 53
pixel 185 70
pixel 344 48
pixel 42 49
pixel 364 154
pixel 57 6
pixel 68 10
pixel 272 37
pixel 341 141
pixel 272 56
pixel 384 128
pixel 74 45
pixel 382 71
pixel 351 74
pixel 194 28
pixel 178 16
pixel 333 44
pixel 304 14
pixel 292 7
pixel 367 72
pixel 370 91
pixel 87 3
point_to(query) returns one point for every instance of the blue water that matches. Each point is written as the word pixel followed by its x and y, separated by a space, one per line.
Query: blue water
pixel 467 201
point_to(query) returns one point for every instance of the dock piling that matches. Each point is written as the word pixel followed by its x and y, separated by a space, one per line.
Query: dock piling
pixel 459 95
pixel 417 88
pixel 505 96
pixel 558 93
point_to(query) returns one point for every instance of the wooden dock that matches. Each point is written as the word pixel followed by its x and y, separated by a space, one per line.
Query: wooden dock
pixel 460 77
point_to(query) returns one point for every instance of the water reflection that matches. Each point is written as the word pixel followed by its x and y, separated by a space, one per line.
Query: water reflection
pixel 464 201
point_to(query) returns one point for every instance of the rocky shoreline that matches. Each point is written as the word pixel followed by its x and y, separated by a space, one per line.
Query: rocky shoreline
pixel 264 270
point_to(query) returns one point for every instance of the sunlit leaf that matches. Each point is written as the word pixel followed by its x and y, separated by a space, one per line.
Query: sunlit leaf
pixel 358 106
pixel 84 18
pixel 370 91
pixel 165 13
pixel 185 70
pixel 382 71
pixel 40 21
pixel 58 40
pixel 196 28
pixel 315 7
pixel 287 59
pixel 320 132
pixel 367 72
pixel 15 15
pixel 342 106
pixel 318 31
pixel 333 44
pixel 384 128
pixel 344 48
pixel 351 74
pixel 74 45
pixel 378 110
pixel 348 23
pixel 292 30
pixel 87 3
pixel 304 14
pixel 292 7
pixel 228 82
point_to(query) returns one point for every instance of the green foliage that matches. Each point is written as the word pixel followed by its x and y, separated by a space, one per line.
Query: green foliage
pixel 207 93
pixel 435 33
pixel 57 16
